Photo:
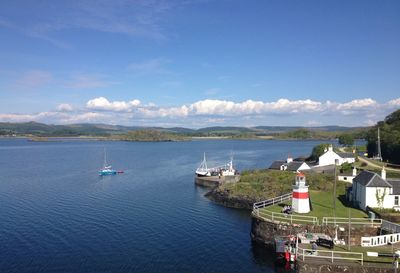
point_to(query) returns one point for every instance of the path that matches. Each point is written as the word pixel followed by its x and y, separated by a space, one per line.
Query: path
pixel 371 163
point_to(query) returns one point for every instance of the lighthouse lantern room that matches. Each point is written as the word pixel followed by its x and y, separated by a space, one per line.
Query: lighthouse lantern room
pixel 300 198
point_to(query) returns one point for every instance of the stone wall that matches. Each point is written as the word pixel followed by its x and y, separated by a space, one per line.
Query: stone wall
pixel 310 267
pixel 264 231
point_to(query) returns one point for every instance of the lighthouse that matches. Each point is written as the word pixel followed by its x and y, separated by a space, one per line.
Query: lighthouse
pixel 300 198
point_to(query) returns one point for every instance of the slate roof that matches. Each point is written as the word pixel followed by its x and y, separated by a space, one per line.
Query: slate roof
pixel 396 186
pixel 370 179
pixel 292 166
pixel 276 165
pixel 345 155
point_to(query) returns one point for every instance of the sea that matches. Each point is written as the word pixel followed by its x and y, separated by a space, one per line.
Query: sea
pixel 58 215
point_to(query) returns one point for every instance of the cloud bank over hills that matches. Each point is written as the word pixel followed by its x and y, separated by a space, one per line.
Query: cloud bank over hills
pixel 208 112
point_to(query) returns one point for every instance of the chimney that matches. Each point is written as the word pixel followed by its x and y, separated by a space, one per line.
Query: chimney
pixel 289 159
pixel 330 148
pixel 354 171
pixel 383 173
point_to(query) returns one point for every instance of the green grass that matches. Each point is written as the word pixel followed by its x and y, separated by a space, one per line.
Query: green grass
pixel 264 184
pixel 322 205
pixel 364 250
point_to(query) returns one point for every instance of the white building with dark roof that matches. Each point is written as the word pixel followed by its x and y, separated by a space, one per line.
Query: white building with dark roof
pixel 376 191
pixel 329 157
pixel 289 165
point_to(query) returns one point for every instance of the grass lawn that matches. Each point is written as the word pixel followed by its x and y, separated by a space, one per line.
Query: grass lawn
pixel 364 250
pixel 322 205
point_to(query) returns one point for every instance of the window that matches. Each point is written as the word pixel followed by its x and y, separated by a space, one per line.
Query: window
pixel 396 200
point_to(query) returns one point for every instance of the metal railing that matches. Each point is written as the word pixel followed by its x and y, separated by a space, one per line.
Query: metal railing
pixel 272 201
pixel 390 226
pixel 287 218
pixel 330 255
pixel 353 221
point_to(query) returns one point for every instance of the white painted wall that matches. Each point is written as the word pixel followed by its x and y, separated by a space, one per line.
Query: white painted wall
pixel 328 158
pixel 346 178
pixel 370 194
pixel 304 166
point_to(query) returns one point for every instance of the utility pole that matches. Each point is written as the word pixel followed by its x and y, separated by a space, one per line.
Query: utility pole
pixel 334 188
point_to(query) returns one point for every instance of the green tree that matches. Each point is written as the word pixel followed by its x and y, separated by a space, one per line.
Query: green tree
pixel 390 138
pixel 318 151
pixel 346 139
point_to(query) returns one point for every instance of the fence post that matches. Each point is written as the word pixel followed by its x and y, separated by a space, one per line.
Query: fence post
pixel 303 255
pixel 362 258
pixel 332 256
pixel 291 219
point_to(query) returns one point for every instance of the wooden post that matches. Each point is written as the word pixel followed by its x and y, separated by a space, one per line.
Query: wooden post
pixel 348 243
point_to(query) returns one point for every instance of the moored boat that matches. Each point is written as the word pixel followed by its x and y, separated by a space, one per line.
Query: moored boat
pixel 107 169
pixel 224 170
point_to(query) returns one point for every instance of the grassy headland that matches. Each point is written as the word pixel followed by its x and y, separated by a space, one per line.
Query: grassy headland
pixel 258 185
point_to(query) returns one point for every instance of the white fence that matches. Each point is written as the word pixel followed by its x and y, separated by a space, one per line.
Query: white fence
pixel 286 218
pixel 353 221
pixel 272 201
pixel 329 255
pixel 380 240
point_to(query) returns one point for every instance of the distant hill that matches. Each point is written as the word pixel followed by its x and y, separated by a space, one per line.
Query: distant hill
pixel 107 130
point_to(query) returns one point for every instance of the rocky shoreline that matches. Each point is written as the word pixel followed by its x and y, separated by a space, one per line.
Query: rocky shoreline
pixel 223 197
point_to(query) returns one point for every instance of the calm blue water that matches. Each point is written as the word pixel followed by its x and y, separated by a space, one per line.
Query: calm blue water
pixel 58 215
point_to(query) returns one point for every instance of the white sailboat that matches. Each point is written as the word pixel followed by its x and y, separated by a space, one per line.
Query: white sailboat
pixel 202 170
pixel 107 169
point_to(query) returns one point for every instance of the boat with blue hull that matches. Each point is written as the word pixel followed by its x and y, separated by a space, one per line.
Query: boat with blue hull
pixel 107 169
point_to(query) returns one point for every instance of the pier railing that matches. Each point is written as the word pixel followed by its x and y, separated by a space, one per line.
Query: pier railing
pixel 333 256
pixel 272 201
pixel 353 221
pixel 287 218
pixel 390 226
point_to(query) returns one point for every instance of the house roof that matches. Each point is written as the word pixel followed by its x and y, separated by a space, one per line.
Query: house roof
pixel 276 165
pixel 294 166
pixel 370 179
pixel 396 185
pixel 291 166
pixel 345 155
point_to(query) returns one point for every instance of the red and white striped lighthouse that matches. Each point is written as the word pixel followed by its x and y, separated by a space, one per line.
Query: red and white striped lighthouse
pixel 300 198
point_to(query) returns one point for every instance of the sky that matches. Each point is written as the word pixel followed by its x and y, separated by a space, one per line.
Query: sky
pixel 199 63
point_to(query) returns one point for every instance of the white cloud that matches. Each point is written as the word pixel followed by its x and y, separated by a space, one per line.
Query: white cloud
pixel 102 103
pixel 207 112
pixel 64 107
pixel 394 102
pixel 357 104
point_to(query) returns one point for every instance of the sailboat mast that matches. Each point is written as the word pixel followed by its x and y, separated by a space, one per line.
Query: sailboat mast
pixel 105 160
pixel 205 162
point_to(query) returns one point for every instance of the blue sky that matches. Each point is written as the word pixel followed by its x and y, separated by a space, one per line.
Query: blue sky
pixel 199 63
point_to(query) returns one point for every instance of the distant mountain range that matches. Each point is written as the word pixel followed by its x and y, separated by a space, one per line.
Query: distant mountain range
pixel 88 129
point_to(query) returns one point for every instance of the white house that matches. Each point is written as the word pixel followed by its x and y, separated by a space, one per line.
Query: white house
pixel 348 178
pixel 370 189
pixel 329 157
pixel 289 165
